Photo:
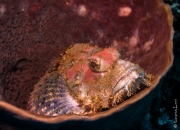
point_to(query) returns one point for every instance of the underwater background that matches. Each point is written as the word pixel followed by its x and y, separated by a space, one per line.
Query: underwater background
pixel 163 114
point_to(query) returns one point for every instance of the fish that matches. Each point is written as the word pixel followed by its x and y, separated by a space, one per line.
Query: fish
pixel 87 79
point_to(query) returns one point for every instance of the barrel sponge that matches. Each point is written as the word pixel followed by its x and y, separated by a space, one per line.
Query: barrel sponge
pixel 33 33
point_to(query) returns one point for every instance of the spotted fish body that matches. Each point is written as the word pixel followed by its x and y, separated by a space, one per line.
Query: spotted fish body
pixel 51 97
pixel 88 79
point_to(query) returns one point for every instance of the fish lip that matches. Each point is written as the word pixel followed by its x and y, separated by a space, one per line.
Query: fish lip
pixel 125 74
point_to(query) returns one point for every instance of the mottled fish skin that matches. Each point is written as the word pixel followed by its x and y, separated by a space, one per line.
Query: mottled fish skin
pixel 88 79
pixel 51 97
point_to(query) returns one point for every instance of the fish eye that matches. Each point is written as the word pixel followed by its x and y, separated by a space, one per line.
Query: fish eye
pixel 94 65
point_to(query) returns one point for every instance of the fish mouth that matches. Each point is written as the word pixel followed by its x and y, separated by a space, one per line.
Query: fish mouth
pixel 129 76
